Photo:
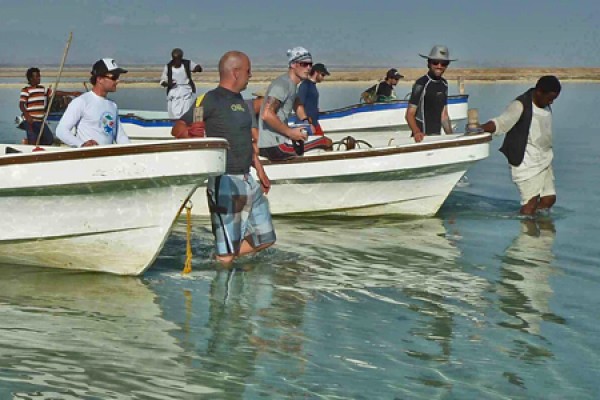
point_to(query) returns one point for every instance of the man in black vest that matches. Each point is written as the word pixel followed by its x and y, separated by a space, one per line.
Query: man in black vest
pixel 527 146
pixel 177 78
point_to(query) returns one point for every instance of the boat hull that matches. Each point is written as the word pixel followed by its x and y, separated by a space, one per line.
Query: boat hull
pixel 381 116
pixel 104 209
pixel 411 179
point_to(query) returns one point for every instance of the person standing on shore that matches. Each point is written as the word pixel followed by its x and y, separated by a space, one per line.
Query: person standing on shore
pixel 277 140
pixel 527 146
pixel 384 90
pixel 33 102
pixel 308 94
pixel 177 78
pixel 95 117
pixel 427 112
pixel 240 215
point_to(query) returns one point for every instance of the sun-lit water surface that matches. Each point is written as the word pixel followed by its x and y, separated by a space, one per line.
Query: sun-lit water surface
pixel 475 303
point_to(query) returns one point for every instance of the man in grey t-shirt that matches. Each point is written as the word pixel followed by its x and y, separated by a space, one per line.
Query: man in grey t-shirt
pixel 276 138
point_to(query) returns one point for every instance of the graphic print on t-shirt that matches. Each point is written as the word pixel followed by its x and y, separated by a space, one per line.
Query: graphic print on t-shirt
pixel 107 122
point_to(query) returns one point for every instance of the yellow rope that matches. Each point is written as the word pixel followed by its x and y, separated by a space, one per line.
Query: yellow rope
pixel 188 248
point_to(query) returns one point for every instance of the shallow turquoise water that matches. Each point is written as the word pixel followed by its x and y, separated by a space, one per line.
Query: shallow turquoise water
pixel 475 303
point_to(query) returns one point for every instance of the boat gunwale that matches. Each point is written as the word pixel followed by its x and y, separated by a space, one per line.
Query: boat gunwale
pixel 115 150
pixel 385 151
pixel 380 106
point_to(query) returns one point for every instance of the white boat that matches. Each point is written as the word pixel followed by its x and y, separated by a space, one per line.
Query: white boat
pixel 396 176
pixel 368 119
pixel 407 179
pixel 380 123
pixel 104 208
pixel 381 116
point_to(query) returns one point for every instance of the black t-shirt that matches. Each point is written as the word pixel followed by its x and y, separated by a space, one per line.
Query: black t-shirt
pixel 385 91
pixel 430 95
pixel 226 115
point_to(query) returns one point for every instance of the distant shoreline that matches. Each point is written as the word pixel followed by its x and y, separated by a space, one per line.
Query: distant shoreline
pixel 147 77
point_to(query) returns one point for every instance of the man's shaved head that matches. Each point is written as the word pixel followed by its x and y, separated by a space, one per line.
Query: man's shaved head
pixel 234 70
pixel 231 61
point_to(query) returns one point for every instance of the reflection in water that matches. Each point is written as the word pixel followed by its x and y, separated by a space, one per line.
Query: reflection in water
pixel 85 336
pixel 415 255
pixel 526 271
pixel 409 264
pixel 246 333
pixel 334 308
pixel 332 296
pixel 525 289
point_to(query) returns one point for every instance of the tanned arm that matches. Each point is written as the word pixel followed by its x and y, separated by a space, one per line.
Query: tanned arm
pixel 264 180
pixel 269 115
pixel 411 120
pixel 446 122
pixel 300 111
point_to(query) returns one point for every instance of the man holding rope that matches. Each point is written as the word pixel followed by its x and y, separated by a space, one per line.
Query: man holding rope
pixel 95 117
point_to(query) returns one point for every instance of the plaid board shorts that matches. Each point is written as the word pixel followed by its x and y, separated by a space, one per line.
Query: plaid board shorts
pixel 238 210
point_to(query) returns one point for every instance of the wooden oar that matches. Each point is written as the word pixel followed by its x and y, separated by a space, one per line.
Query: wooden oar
pixel 49 106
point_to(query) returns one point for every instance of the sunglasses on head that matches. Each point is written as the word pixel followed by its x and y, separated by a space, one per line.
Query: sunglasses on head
pixel 443 63
pixel 305 64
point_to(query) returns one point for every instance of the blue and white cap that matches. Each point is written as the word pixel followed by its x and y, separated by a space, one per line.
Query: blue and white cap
pixel 298 54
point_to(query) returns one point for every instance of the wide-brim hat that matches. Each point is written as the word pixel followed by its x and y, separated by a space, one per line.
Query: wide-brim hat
pixel 438 53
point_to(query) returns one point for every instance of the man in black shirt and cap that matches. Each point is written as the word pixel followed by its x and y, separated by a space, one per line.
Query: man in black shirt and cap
pixel 384 90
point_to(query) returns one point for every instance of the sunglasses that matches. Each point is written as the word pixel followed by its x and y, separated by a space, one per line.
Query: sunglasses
pixel 305 64
pixel 112 77
pixel 439 62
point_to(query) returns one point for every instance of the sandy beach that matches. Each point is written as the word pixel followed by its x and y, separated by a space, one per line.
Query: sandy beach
pixel 149 76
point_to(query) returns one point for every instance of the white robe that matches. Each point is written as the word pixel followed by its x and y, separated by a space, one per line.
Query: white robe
pixel 180 97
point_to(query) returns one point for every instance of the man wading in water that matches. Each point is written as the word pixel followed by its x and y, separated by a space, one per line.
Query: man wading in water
pixel 527 146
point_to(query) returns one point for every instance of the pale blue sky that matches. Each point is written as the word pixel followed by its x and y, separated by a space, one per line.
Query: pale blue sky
pixel 349 32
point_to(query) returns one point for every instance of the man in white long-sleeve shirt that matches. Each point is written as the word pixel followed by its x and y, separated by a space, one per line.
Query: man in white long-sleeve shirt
pixel 94 117
pixel 527 146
